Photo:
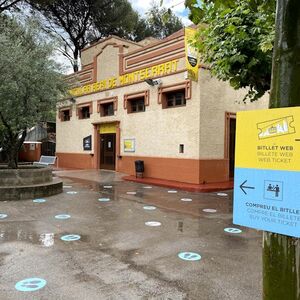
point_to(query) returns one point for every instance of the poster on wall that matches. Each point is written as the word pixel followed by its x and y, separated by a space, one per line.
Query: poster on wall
pixel 87 143
pixel 129 145
pixel 191 54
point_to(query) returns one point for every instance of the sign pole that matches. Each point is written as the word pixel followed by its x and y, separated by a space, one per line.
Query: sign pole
pixel 281 253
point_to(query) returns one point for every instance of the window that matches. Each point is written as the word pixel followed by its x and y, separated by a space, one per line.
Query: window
pixel 107 109
pixel 136 105
pixel 176 98
pixel 65 114
pixel 175 95
pixel 84 110
pixel 107 106
pixel 136 102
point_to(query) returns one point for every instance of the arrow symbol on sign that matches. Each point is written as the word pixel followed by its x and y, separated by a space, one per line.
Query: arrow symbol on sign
pixel 242 187
pixel 297 140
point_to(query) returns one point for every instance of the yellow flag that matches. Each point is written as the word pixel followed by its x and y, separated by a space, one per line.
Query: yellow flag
pixel 191 54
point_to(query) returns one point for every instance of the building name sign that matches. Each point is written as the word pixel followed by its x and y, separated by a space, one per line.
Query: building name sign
pixel 129 78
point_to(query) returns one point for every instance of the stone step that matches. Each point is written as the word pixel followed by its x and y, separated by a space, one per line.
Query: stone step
pixel 11 193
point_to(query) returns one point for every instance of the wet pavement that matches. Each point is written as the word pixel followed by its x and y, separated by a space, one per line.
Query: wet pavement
pixel 117 256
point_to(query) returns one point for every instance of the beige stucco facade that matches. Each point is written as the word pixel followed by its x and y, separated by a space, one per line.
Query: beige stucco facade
pixel 200 126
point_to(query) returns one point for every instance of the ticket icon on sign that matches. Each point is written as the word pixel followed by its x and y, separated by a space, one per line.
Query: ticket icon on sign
pixel 276 127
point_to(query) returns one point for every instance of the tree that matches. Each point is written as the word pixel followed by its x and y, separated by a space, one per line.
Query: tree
pixel 30 83
pixel 78 22
pixel 8 4
pixel 161 22
pixel 236 40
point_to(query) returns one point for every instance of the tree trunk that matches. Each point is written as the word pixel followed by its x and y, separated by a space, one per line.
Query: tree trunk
pixel 13 150
pixel 281 254
pixel 75 63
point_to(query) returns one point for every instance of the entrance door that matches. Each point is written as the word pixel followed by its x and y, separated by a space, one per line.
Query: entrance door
pixel 232 130
pixel 108 151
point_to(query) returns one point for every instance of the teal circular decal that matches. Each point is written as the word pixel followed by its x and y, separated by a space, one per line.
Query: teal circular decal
pixel 233 230
pixel 3 216
pixel 30 284
pixel 71 193
pixel 70 237
pixel 62 217
pixel 190 256
pixel 67 186
pixel 209 210
pixel 153 223
pixel 103 199
pixel 39 200
pixel 172 192
pixel 131 193
pixel 186 199
pixel 149 207
pixel 222 194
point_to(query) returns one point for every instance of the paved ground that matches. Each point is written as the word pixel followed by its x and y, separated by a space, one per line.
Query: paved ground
pixel 118 256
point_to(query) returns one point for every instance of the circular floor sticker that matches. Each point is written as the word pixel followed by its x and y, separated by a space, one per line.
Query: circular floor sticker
pixel 222 194
pixel 147 187
pixel 72 193
pixel 190 256
pixel 62 217
pixel 131 193
pixel 186 199
pixel 39 200
pixel 104 199
pixel 149 207
pixel 107 186
pixel 70 237
pixel 233 230
pixel 3 216
pixel 67 186
pixel 30 284
pixel 153 223
pixel 210 210
pixel 172 192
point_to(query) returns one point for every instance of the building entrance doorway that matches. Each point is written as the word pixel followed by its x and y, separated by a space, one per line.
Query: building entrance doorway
pixel 232 131
pixel 108 151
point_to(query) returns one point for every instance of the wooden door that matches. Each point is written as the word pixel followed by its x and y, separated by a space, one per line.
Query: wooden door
pixel 108 151
pixel 232 130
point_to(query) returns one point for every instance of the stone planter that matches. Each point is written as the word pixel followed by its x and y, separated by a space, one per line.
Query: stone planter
pixel 28 182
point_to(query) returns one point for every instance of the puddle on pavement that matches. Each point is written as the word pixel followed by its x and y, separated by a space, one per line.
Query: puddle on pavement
pixel 160 197
pixel 43 239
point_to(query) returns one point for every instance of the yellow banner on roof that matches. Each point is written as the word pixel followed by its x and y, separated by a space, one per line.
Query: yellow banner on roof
pixel 191 54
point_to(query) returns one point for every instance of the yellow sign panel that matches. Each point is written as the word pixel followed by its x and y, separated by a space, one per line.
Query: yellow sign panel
pixel 113 82
pixel 191 54
pixel 268 139
pixel 129 145
pixel 108 128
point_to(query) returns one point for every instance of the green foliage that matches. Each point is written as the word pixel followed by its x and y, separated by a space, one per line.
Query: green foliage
pixel 237 41
pixel 30 82
pixel 161 22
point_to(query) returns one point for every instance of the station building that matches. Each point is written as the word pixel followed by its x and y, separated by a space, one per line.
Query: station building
pixel 135 101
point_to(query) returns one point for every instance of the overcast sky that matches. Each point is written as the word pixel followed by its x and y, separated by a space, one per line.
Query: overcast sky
pixel 177 7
